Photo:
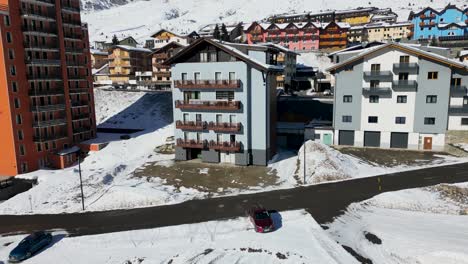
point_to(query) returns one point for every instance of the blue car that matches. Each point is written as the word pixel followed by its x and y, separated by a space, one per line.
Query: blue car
pixel 29 246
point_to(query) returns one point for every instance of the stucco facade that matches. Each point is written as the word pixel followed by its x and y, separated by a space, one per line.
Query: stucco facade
pixel 450 21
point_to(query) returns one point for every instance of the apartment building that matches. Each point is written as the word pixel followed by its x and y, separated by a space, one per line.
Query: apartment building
pixel 161 73
pixel 125 61
pixel 450 21
pixel 46 96
pixel 388 32
pixel 399 96
pixel 225 102
pixel 333 36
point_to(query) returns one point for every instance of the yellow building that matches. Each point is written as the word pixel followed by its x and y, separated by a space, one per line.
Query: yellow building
pixel 124 61
pixel 388 32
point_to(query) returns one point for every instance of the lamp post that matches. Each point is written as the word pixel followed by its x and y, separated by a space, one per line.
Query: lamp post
pixel 305 141
pixel 81 180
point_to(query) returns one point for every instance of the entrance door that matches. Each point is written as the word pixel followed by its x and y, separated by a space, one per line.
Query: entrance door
pixel 327 139
pixel 428 143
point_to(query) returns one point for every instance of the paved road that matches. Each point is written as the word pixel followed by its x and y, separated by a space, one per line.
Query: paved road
pixel 323 201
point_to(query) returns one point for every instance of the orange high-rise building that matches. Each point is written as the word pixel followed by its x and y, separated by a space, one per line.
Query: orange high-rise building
pixel 46 92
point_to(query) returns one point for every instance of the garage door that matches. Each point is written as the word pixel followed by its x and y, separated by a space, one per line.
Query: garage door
pixel 399 140
pixel 346 137
pixel 371 139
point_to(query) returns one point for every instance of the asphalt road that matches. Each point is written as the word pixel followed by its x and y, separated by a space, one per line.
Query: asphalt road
pixel 324 202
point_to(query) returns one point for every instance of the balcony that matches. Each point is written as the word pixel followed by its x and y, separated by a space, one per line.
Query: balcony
pixel 76 64
pixel 225 146
pixel 50 123
pixel 458 91
pixel 31 30
pixel 77 78
pixel 162 56
pixel 47 138
pixel 79 90
pixel 458 110
pixel 77 104
pixel 43 62
pixel 191 144
pixel 74 50
pixel 405 85
pixel 48 15
pixel 80 130
pixel 71 9
pixel 208 105
pixel 225 127
pixel 366 91
pixel 163 74
pixel 191 125
pixel 77 117
pixel 406 67
pixel 52 92
pixel 378 75
pixel 71 22
pixel 44 77
pixel 207 84
pixel 73 35
pixel 429 24
pixel 431 16
pixel 40 2
pixel 48 108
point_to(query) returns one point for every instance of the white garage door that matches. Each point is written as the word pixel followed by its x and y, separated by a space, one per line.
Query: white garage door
pixel 228 158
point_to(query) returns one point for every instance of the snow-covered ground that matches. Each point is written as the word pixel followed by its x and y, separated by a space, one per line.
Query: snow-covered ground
pixel 298 240
pixel 414 226
pixel 142 18
pixel 108 174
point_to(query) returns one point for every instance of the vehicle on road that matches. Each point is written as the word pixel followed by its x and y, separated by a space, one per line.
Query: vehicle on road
pixel 261 219
pixel 29 246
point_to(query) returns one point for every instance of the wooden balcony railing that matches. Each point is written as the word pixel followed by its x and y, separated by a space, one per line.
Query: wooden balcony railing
pixel 208 105
pixel 162 56
pixel 207 84
pixel 224 127
pixel 191 143
pixel 191 125
pixel 431 16
pixel 225 146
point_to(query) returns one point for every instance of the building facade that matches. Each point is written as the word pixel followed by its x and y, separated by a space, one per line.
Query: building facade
pixel 333 36
pixel 388 32
pixel 124 61
pixel 399 96
pixel 46 96
pixel 98 58
pixel 164 37
pixel 448 22
pixel 161 73
pixel 225 102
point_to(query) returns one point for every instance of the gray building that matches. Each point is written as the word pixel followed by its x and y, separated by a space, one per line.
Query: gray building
pixel 225 102
pixel 398 96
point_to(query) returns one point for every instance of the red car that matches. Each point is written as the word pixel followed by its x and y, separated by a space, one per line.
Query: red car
pixel 261 219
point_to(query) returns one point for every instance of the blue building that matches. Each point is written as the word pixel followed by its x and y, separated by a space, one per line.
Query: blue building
pixel 429 23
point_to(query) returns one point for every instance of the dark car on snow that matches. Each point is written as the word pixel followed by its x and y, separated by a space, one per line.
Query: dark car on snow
pixel 29 246
pixel 261 220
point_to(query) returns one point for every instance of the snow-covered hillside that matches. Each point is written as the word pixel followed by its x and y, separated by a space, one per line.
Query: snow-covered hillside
pixel 141 18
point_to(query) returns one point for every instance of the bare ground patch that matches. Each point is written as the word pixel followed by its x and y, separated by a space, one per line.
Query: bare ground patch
pixel 453 193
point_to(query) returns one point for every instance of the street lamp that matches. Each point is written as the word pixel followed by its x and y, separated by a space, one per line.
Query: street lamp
pixel 81 180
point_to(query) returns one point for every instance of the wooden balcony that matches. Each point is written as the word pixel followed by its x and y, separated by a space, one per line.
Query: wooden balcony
pixel 207 84
pixel 225 146
pixel 161 56
pixel 191 143
pixel 162 74
pixel 431 16
pixel 225 127
pixel 429 24
pixel 208 105
pixel 191 125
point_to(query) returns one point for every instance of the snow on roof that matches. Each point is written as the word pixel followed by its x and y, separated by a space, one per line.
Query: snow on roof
pixel 130 48
pixel 67 151
pixel 101 71
pixel 463 53
pixel 281 48
pixel 98 52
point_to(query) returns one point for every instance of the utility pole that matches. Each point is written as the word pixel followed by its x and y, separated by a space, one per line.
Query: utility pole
pixel 81 180
pixel 305 161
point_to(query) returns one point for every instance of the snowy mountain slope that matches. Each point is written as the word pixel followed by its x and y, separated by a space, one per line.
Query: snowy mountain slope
pixel 141 18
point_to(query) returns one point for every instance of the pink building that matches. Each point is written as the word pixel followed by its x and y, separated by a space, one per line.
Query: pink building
pixel 294 36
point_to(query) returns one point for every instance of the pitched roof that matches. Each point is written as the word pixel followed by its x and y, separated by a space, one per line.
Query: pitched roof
pixel 405 48
pixel 167 46
pixel 165 30
pixel 438 12
pixel 228 49
pixel 130 48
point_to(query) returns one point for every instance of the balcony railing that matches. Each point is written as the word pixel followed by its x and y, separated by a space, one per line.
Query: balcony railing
pixel 162 56
pixel 47 138
pixel 408 66
pixel 51 31
pixel 76 63
pixel 43 62
pixel 163 74
pixel 376 91
pixel 191 143
pixel 48 14
pixel 44 77
pixel 73 35
pixel 40 2
pixel 429 24
pixel 74 50
pixel 207 84
pixel 80 130
pixel 378 75
pixel 48 108
pixel 208 105
pixel 225 146
pixel 225 127
pixel 49 123
pixel 78 90
pixel 74 9
pixel 47 46
pixel 52 92
pixel 191 125
pixel 79 104
pixel 458 90
pixel 77 117
pixel 405 85
pixel 458 110
pixel 431 16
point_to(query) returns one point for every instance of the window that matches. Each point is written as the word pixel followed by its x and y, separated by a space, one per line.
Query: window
pixel 402 99
pixel 194 95
pixel 6 20
pixel 347 119
pixel 232 76
pixel 13 70
pixel 11 54
pixel 373 99
pixel 203 57
pixel 217 76
pixel 432 75
pixel 465 100
pixel 14 87
pixel 22 150
pixel 464 121
pixel 19 120
pixel 431 99
pixel 347 99
pixel 39 147
pixel 455 82
pixel 403 76
pixel 372 119
pixel 374 83
pixel 404 59
pixel 225 95
pixel 9 38
pixel 17 103
pixel 429 120
pixel 20 135
pixel 400 120
pixel 213 56
pixel 375 67
pixel 196 77
pixel 183 76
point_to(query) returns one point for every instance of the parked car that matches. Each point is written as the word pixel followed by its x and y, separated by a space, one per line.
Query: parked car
pixel 29 246
pixel 261 219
